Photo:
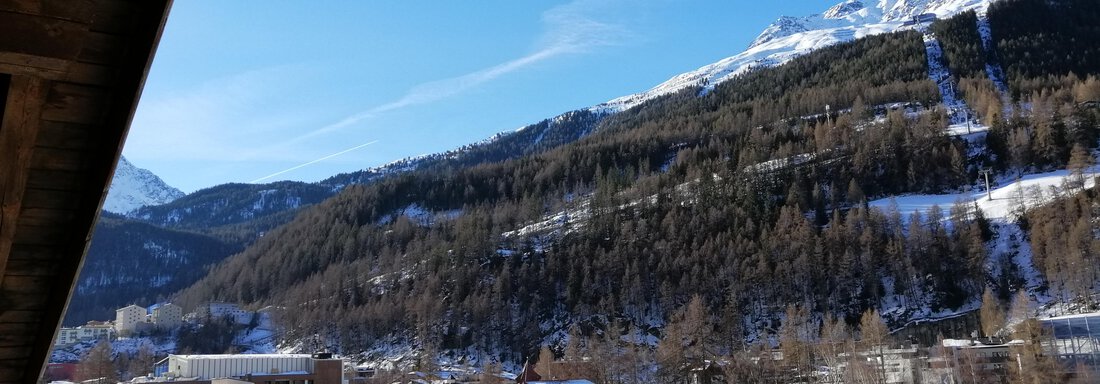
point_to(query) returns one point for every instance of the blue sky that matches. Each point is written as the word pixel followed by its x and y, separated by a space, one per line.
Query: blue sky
pixel 243 91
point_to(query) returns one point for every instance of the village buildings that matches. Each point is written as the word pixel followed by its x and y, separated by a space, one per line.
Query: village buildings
pixel 167 316
pixel 94 330
pixel 134 319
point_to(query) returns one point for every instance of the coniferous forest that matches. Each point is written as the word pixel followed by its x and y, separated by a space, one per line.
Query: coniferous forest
pixel 728 218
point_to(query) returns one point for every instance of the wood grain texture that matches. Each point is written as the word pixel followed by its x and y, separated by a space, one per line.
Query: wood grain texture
pixel 41 36
pixel 80 11
pixel 45 180
pixel 49 68
pixel 75 103
pixel 18 133
pixel 77 68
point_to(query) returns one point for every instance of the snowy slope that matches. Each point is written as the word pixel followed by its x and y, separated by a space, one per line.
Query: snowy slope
pixel 790 37
pixel 1004 203
pixel 134 187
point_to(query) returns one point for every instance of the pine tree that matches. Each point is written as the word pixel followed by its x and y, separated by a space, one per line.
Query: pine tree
pixel 545 363
pixel 835 339
pixel 1080 160
pixel 794 338
pixel 573 345
pixel 855 193
pixel 490 373
pixel 1020 309
pixel 873 335
pixel 991 313
pixel 98 363
pixel 142 363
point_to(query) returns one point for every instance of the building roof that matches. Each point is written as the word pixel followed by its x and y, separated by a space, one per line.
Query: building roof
pixel 72 72
pixel 130 306
pixel 245 356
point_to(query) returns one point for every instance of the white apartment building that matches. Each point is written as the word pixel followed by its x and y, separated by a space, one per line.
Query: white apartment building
pixel 167 316
pixel 91 331
pixel 217 310
pixel 130 318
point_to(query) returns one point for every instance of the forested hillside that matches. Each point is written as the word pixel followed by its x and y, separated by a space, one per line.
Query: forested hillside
pixel 235 215
pixel 750 197
pixel 130 262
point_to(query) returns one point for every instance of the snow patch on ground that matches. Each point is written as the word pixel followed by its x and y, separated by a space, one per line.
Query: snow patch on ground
pixel 421 216
pixel 776 164
pixel 1007 200
pixel 941 75
pixel 992 70
pixel 969 131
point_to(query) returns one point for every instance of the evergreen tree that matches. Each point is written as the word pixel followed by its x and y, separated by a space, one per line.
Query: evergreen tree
pixel 98 363
pixel 991 313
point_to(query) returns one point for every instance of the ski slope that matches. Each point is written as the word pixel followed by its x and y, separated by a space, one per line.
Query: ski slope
pixel 1006 201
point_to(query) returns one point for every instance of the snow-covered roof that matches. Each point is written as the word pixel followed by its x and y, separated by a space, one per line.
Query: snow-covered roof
pixel 957 343
pixel 1074 316
pixel 246 356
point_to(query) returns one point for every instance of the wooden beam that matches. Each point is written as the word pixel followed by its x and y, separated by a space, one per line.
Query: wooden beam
pixel 10 369
pixel 74 103
pixel 18 267
pixel 54 159
pixel 81 11
pixel 55 69
pixel 38 235
pixel 41 36
pixel 102 48
pixel 35 252
pixel 53 180
pixel 18 133
pixel 67 136
pixel 26 284
pixel 50 198
pixel 14 334
pixel 33 317
pixel 142 34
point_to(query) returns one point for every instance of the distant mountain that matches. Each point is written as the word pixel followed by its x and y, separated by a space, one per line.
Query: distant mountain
pixel 790 37
pixel 743 198
pixel 231 204
pixel 192 232
pixel 530 139
pixel 134 187
pixel 131 262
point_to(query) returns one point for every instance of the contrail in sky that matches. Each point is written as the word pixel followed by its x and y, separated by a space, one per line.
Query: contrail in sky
pixel 299 166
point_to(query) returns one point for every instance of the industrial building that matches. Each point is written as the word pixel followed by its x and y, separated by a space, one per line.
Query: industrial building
pixel 1074 339
pixel 319 368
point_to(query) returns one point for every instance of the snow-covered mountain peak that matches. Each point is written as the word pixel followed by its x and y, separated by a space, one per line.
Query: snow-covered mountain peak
pixel 790 37
pixel 134 187
pixel 785 26
pixel 903 10
pixel 844 9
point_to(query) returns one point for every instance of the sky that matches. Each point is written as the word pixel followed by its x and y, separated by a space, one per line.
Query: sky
pixel 260 91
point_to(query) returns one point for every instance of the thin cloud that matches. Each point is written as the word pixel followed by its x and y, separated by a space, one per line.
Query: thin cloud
pixel 569 29
pixel 311 162
pixel 210 120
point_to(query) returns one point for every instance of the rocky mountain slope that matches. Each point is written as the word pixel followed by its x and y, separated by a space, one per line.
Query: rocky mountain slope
pixel 133 188
pixel 790 37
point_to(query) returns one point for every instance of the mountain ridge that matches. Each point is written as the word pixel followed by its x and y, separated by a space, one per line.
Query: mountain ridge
pixel 790 37
pixel 133 188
